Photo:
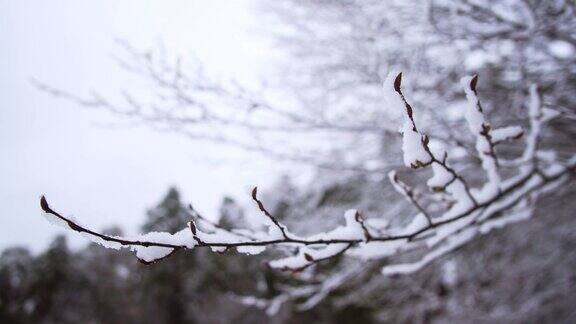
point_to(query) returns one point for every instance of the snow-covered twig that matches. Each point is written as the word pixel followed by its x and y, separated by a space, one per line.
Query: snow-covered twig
pixel 277 224
pixel 408 192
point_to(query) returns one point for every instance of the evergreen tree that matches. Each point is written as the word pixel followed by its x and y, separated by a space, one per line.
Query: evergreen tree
pixel 15 274
pixel 169 216
pixel 164 292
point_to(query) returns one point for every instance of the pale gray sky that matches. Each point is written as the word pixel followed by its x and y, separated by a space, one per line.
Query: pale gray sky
pixel 99 175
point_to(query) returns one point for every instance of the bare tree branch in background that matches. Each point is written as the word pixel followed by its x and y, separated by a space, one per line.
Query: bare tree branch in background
pixel 194 105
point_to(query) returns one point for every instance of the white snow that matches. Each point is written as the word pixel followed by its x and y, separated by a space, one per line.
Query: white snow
pixel 562 49
pixel 299 260
pixel 512 217
pixel 452 243
pixel 377 250
pixel 418 223
pixel 151 253
pixel 448 230
pixel 462 201
pixel 412 146
pixel 352 230
pixel 506 133
pixel 441 177
pixel 535 114
pixel 251 250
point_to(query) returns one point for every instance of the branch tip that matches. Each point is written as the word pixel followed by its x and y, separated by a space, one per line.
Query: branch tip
pixel 44 204
pixel 192 227
pixel 398 82
pixel 474 82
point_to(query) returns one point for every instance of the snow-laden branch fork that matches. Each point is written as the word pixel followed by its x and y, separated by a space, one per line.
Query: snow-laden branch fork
pixel 473 211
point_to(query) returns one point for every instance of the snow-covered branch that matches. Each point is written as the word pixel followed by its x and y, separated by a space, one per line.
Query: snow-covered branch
pixel 473 211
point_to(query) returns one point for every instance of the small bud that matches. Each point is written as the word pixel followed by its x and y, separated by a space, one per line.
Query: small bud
pixel 398 82
pixel 44 204
pixel 425 140
pixel 308 257
pixel 473 82
pixel 358 217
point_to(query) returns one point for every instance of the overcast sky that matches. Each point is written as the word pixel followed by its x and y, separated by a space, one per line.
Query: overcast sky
pixel 100 175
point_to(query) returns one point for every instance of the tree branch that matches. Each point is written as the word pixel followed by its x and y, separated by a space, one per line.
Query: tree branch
pixel 454 226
